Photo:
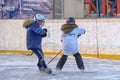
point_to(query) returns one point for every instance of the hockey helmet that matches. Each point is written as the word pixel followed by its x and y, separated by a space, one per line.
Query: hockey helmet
pixel 39 17
pixel 70 20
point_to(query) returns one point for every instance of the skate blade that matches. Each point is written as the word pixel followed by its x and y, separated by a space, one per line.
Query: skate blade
pixel 47 74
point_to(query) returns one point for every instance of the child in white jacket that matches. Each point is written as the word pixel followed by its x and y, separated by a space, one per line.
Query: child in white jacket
pixel 70 44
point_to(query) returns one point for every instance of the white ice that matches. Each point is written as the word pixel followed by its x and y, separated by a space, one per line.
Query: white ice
pixel 21 67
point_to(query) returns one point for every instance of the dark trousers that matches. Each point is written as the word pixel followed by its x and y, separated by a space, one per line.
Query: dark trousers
pixel 61 62
pixel 79 60
pixel 63 59
pixel 40 55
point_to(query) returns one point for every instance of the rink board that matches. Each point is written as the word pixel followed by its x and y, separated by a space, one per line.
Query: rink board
pixel 101 39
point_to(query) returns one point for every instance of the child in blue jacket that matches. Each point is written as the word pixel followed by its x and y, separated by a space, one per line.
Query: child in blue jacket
pixel 35 33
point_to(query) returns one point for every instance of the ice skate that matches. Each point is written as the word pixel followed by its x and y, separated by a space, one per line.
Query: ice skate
pixel 42 69
pixel 82 69
pixel 47 70
pixel 58 68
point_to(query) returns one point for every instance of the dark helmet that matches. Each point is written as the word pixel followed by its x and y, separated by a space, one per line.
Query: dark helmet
pixel 70 20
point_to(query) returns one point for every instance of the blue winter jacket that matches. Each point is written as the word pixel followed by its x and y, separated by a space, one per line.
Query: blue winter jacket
pixel 33 35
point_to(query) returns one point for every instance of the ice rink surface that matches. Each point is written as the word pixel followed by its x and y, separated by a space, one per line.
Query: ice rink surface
pixel 21 67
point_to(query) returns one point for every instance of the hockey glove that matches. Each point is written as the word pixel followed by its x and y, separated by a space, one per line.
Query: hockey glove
pixel 45 29
pixel 79 35
pixel 44 33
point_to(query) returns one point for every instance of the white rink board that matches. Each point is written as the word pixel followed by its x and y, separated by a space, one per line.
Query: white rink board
pixel 102 33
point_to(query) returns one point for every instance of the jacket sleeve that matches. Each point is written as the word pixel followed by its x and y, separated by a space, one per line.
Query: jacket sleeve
pixel 80 31
pixel 37 29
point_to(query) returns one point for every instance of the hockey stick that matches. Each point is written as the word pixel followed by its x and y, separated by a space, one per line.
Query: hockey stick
pixel 54 57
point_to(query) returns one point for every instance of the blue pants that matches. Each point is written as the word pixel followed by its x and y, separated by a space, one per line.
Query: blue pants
pixel 40 55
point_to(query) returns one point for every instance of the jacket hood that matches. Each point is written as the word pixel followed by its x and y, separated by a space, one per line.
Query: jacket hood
pixel 26 23
pixel 67 28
